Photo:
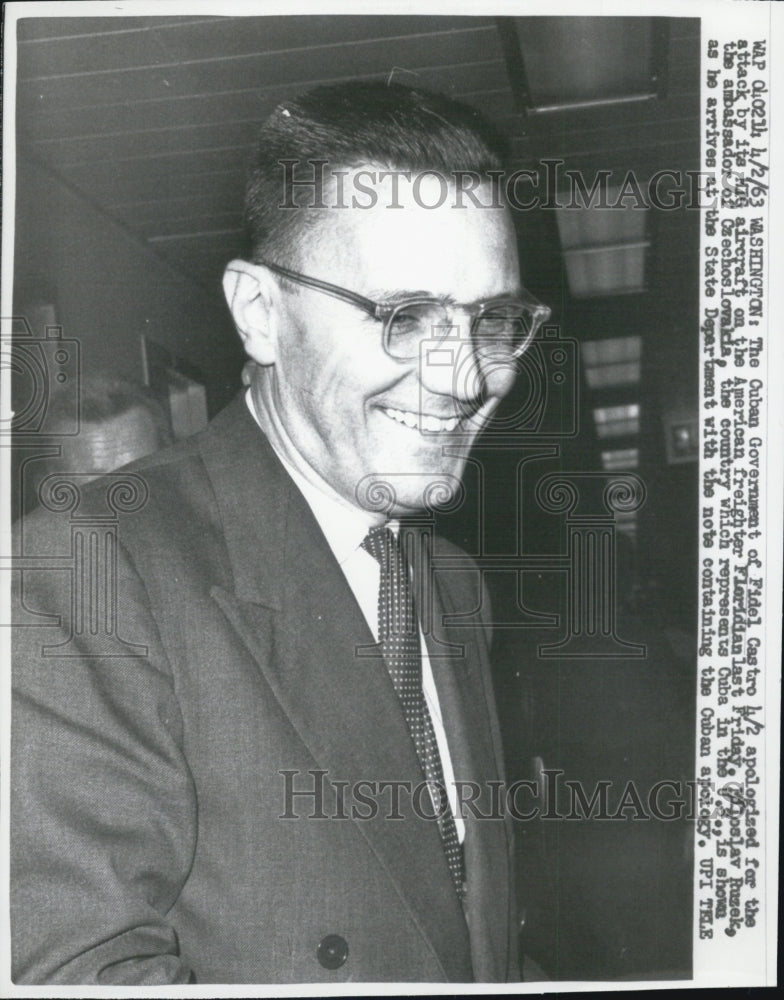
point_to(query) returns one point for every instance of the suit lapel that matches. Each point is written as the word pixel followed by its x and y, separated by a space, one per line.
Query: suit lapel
pixel 465 707
pixel 294 610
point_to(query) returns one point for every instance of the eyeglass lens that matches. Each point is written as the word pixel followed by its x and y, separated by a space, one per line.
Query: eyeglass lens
pixel 499 332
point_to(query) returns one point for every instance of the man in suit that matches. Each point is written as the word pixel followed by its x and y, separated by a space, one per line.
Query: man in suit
pixel 219 758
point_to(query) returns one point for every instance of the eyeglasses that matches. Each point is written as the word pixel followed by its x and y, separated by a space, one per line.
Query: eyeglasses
pixel 501 329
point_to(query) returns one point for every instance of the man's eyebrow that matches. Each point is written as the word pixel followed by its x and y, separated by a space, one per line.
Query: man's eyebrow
pixel 392 296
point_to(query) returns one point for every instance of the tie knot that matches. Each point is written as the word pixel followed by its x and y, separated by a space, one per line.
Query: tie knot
pixel 382 544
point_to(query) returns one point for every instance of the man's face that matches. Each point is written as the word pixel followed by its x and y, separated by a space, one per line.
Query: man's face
pixel 344 408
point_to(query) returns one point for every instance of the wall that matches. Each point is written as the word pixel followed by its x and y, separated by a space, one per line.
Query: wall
pixel 108 287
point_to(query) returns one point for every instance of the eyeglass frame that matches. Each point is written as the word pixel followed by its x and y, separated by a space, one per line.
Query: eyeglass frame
pixel 383 311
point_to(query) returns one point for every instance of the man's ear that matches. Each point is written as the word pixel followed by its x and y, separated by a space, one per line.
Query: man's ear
pixel 250 292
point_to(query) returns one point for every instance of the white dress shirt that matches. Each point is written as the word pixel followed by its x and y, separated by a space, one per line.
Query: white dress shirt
pixel 345 528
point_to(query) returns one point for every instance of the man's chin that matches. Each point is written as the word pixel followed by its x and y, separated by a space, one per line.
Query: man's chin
pixel 403 494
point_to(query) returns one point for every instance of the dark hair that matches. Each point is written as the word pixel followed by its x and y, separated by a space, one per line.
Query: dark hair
pixel 390 126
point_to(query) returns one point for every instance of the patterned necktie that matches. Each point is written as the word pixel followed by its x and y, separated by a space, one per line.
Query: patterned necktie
pixel 398 635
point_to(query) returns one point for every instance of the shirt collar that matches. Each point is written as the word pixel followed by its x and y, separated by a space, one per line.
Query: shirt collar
pixel 344 527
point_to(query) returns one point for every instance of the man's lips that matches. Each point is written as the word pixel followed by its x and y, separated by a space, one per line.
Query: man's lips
pixel 428 423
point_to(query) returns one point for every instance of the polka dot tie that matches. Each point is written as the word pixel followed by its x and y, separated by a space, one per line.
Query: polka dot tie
pixel 398 635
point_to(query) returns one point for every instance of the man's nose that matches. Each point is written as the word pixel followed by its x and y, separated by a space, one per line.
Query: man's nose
pixel 449 366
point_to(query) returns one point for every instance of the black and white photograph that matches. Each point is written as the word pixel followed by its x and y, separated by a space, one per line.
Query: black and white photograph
pixel 392 494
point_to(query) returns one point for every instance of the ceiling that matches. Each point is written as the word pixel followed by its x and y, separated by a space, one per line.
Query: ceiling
pixel 152 119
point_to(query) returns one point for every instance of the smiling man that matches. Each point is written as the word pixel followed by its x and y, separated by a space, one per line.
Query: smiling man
pixel 342 393
pixel 289 772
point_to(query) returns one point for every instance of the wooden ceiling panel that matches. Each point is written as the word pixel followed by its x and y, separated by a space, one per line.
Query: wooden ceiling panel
pixel 161 229
pixel 106 132
pixel 82 120
pixel 112 145
pixel 215 199
pixel 455 79
pixel 59 29
pixel 158 168
pixel 39 122
pixel 187 40
pixel 156 78
pixel 206 244
pixel 142 187
pixel 152 143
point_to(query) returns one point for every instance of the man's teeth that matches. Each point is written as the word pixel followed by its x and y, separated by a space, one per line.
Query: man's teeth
pixel 426 423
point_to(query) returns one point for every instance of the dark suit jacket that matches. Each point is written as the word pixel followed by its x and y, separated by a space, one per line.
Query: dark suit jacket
pixel 148 844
